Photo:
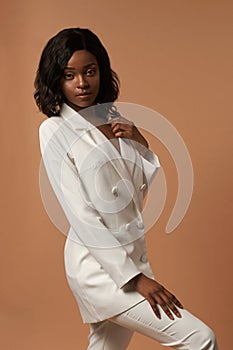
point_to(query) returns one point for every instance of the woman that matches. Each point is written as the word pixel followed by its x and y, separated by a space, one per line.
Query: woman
pixel 100 166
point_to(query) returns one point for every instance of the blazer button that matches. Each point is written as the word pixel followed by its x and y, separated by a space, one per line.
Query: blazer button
pixel 140 225
pixel 142 187
pixel 127 226
pixel 144 258
pixel 115 191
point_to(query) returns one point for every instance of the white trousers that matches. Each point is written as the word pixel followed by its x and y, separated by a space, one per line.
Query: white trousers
pixel 185 333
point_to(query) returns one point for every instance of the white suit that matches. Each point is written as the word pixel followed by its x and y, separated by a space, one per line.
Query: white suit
pixel 105 247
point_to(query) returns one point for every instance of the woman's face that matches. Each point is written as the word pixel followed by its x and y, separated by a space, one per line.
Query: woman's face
pixel 81 80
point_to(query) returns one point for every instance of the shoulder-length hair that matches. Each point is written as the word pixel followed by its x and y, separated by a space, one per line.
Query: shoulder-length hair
pixel 57 52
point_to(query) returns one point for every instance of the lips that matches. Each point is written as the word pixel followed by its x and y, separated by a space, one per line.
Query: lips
pixel 83 94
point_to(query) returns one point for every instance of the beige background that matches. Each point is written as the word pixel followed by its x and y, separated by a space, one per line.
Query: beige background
pixel 174 56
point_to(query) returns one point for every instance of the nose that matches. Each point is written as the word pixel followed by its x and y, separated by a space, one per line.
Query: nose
pixel 81 82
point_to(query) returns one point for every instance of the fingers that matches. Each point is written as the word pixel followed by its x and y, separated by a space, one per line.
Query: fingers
pixel 117 130
pixel 173 298
pixel 121 130
pixel 167 301
pixel 154 306
pixel 170 306
pixel 157 296
pixel 166 306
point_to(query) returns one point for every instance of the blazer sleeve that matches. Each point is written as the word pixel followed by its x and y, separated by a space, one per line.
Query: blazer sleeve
pixel 82 216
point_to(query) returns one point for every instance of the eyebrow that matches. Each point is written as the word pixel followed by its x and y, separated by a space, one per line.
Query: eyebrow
pixel 86 66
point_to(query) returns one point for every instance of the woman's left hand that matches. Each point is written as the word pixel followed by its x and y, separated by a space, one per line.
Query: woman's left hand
pixel 121 127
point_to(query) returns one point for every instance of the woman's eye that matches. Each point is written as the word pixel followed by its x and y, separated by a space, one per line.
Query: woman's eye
pixel 68 76
pixel 90 72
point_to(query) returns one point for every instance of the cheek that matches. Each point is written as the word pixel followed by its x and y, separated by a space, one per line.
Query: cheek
pixel 66 88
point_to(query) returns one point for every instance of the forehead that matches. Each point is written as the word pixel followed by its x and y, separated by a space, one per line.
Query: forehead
pixel 81 58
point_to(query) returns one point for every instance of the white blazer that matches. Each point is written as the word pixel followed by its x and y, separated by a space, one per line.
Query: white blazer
pixel 101 191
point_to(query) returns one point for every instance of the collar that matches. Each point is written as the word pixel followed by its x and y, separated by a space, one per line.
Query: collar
pixel 75 119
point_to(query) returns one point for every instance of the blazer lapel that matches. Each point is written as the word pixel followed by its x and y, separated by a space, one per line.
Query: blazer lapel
pixel 125 162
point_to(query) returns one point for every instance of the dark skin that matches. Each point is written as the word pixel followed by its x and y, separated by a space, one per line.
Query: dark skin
pixel 152 290
pixel 121 127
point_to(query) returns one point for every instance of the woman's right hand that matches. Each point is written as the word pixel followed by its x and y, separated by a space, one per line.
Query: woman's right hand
pixel 156 295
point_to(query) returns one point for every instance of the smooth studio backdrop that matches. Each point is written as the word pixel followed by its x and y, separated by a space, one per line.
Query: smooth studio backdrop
pixel 174 56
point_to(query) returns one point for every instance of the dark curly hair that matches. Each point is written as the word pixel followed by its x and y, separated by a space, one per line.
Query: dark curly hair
pixel 56 54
